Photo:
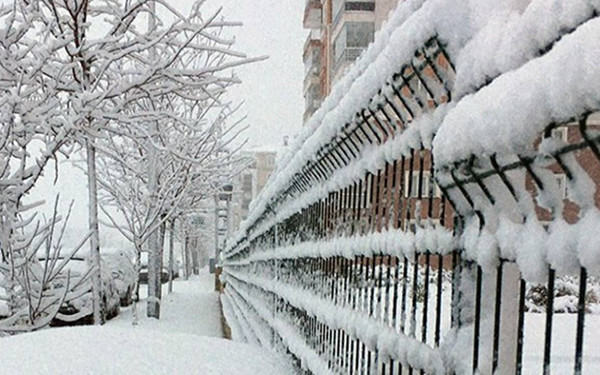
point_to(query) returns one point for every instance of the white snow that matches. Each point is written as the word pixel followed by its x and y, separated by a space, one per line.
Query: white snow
pixel 186 340
pixel 121 350
pixel 375 334
pixel 431 238
pixel 506 116
pixel 520 66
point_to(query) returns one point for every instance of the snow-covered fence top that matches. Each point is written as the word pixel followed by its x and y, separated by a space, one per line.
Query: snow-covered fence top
pixel 486 37
pixel 450 171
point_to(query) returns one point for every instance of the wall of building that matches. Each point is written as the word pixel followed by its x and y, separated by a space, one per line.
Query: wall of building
pixel 321 17
pixel 248 184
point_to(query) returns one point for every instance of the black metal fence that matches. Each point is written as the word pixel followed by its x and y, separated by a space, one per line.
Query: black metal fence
pixel 565 172
pixel 374 277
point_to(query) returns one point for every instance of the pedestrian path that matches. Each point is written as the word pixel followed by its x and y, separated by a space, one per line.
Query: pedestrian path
pixel 192 307
pixel 186 340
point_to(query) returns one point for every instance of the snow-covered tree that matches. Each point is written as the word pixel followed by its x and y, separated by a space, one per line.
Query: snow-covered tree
pixel 189 162
pixel 118 67
pixel 33 130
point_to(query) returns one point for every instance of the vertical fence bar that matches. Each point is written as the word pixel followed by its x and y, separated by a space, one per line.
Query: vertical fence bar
pixel 521 323
pixel 477 321
pixel 580 320
pixel 497 310
pixel 548 330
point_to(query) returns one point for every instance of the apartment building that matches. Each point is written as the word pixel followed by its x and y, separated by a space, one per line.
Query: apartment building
pixel 339 31
pixel 250 182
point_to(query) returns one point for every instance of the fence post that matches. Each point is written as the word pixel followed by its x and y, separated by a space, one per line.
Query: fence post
pixel 499 328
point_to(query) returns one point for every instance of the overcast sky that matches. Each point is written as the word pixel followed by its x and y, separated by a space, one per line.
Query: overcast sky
pixel 271 90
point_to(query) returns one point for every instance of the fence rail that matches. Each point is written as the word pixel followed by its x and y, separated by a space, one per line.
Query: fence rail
pixel 373 258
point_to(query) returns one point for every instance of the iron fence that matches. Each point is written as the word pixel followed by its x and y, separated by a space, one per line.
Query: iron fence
pixel 373 272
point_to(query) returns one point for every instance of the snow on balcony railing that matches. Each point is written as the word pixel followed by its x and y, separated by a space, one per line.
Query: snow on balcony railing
pixel 351 264
pixel 349 55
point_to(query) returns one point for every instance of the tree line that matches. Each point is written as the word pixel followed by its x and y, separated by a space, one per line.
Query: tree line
pixel 136 87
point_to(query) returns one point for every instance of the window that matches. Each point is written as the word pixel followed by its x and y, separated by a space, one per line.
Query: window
pixel 339 46
pixel 429 187
pixel 561 181
pixel 352 39
pixel 247 182
pixel 359 34
pixel 413 224
pixel 339 6
pixel 560 134
pixel 364 6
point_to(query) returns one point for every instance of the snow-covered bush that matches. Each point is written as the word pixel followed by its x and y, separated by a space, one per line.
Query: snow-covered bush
pixel 566 296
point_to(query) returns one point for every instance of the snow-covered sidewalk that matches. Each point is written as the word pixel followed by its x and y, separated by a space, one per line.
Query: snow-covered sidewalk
pixel 186 340
pixel 193 307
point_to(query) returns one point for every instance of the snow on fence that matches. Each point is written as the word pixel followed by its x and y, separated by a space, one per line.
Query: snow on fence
pixel 440 213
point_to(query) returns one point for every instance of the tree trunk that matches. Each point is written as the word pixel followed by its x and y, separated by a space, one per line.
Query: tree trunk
pixel 138 267
pixel 99 313
pixel 195 256
pixel 155 266
pixel 186 258
pixel 161 244
pixel 171 262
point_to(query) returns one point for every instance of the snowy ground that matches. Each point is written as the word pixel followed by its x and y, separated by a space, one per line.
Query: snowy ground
pixel 186 340
pixel 192 308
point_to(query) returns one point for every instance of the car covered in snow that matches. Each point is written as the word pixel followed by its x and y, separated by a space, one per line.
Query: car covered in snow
pixel 123 273
pixel 4 309
pixel 77 307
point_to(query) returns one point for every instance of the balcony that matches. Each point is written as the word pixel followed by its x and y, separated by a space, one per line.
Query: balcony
pixel 348 55
pixel 311 79
pixel 312 97
pixel 312 59
pixel 352 6
pixel 311 108
pixel 312 41
pixel 313 14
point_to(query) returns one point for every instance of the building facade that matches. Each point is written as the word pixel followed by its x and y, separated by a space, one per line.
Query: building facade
pixel 339 31
pixel 250 182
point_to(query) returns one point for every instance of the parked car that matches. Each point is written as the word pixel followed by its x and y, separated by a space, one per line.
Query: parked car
pixel 176 267
pixel 122 271
pixel 143 277
pixel 78 305
pixel 4 309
